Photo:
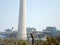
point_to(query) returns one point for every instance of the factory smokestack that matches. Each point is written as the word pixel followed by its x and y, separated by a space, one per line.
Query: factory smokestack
pixel 21 33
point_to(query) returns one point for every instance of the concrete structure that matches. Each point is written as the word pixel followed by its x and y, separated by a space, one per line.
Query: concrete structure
pixel 7 33
pixel 30 30
pixel 50 31
pixel 34 32
pixel 21 33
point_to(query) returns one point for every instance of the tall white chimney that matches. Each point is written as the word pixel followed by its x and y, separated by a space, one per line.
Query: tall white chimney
pixel 21 33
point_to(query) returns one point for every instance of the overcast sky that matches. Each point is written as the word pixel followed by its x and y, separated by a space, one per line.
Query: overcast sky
pixel 39 14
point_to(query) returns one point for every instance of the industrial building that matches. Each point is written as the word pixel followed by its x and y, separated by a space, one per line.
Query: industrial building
pixel 49 31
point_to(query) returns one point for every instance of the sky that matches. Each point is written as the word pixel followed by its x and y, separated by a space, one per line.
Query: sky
pixel 39 14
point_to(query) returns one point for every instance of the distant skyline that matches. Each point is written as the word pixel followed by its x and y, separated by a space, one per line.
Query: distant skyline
pixel 39 14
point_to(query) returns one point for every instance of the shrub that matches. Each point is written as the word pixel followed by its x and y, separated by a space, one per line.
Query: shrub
pixel 22 42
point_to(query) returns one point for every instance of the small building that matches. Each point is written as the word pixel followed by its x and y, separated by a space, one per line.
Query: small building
pixel 50 31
